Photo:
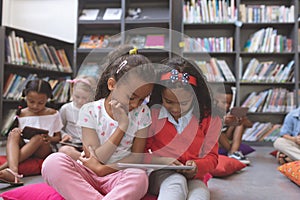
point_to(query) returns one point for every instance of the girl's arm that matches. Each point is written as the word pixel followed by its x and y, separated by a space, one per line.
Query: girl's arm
pixel 99 168
pixel 102 152
pixel 138 147
pixel 55 138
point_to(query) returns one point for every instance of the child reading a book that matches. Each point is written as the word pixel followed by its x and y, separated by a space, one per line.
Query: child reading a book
pixel 83 91
pixel 114 129
pixel 184 131
pixel 37 115
pixel 234 127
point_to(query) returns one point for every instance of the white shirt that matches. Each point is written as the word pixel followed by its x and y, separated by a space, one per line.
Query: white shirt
pixel 52 123
pixel 93 115
pixel 183 121
pixel 69 115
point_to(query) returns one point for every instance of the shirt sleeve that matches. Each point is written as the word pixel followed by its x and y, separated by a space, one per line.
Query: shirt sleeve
pixel 57 123
pixel 87 116
pixel 287 126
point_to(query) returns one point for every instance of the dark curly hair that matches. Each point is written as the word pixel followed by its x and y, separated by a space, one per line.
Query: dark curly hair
pixel 201 90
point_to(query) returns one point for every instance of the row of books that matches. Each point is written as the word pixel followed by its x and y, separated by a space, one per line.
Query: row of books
pixel 95 14
pixel 267 40
pixel 209 11
pixel 96 41
pixel 210 44
pixel 268 71
pixel 21 52
pixel 262 132
pixel 270 100
pixel 15 84
pixel 216 70
pixel 266 13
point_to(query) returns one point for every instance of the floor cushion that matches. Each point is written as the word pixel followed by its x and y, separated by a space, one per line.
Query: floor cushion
pixel 42 191
pixel 38 191
pixel 227 166
pixel 291 170
pixel 244 148
pixel 31 166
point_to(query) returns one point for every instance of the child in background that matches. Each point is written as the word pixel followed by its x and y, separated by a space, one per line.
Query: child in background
pixel 36 114
pixel 83 91
pixel 114 129
pixel 184 131
pixel 232 132
pixel 288 144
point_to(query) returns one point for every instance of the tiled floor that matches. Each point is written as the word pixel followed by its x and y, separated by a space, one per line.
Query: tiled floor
pixel 260 180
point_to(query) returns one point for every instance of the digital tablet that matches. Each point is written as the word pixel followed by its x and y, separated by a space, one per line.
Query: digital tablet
pixel 239 111
pixel 153 166
pixel 73 144
pixel 28 132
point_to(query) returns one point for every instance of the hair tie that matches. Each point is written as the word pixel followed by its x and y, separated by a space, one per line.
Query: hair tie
pixel 133 51
pixel 74 81
pixel 174 76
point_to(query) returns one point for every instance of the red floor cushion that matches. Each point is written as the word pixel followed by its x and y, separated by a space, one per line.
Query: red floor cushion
pixel 227 166
pixel 31 166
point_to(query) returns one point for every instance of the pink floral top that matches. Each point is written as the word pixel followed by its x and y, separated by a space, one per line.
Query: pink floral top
pixel 93 115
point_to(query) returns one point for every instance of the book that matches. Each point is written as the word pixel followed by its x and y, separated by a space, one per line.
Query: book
pixel 66 64
pixel 155 41
pixel 8 121
pixel 269 132
pixel 9 81
pixel 239 111
pixel 137 40
pixel 89 14
pixel 13 87
pixel 94 41
pixel 112 14
pixel 56 58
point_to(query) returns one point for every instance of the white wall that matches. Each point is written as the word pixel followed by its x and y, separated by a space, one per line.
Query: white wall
pixel 53 18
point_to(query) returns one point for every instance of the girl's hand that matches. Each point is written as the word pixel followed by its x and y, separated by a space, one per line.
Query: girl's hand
pixel 66 138
pixel 119 114
pixel 297 139
pixel 90 160
pixel 46 138
pixel 16 131
pixel 231 120
pixel 190 173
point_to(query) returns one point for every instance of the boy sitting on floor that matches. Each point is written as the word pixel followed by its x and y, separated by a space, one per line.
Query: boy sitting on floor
pixel 233 129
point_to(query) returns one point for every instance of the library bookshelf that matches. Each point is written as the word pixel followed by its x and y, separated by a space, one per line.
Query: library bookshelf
pixel 243 32
pixel 26 56
pixel 218 32
pixel 131 27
